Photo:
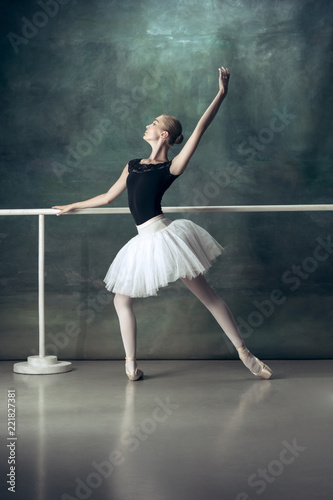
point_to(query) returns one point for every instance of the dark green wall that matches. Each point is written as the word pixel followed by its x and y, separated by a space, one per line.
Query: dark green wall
pixel 76 93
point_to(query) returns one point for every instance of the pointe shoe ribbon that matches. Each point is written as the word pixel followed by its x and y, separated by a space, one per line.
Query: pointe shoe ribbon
pixel 133 376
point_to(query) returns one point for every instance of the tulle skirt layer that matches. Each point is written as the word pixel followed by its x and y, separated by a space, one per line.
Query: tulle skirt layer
pixel 161 253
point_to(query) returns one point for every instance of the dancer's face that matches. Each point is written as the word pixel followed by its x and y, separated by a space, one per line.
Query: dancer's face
pixel 155 130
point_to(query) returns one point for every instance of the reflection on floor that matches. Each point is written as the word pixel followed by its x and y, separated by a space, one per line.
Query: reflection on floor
pixel 191 430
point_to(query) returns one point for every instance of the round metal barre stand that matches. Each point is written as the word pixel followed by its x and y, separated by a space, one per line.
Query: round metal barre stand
pixel 43 365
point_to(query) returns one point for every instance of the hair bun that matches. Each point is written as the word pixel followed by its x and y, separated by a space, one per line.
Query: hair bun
pixel 179 139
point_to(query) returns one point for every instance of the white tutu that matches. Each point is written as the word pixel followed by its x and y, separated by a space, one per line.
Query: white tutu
pixel 161 253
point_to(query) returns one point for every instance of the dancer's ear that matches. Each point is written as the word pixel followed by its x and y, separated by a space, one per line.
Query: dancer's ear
pixel 164 134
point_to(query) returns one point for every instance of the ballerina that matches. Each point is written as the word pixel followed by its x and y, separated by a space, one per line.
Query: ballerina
pixel 164 251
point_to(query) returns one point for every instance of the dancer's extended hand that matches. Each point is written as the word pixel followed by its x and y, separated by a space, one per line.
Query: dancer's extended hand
pixel 64 209
pixel 224 76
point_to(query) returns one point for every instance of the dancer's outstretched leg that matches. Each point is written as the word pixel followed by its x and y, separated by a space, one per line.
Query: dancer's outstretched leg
pixel 221 312
pixel 127 321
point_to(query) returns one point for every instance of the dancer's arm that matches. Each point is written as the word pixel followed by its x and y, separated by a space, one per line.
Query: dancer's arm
pixel 103 199
pixel 179 163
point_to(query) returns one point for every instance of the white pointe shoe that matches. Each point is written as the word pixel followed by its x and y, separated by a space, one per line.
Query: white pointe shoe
pixel 264 370
pixel 133 376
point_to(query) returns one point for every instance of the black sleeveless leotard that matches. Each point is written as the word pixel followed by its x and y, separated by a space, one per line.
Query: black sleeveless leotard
pixel 146 184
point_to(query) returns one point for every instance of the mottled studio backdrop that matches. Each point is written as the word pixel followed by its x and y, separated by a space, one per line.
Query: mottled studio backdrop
pixel 79 82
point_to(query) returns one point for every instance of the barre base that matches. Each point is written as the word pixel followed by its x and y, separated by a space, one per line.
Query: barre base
pixel 37 365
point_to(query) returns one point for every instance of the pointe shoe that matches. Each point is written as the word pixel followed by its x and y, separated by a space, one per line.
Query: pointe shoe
pixel 136 375
pixel 264 370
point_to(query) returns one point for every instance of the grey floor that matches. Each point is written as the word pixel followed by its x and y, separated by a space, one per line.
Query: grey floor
pixel 191 430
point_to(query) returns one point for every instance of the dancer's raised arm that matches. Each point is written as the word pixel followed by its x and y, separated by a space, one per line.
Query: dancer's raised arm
pixel 103 199
pixel 179 163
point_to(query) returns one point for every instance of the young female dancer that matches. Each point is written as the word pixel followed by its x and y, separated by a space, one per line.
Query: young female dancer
pixel 165 250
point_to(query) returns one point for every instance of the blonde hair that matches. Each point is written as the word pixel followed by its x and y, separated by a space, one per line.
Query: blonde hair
pixel 174 128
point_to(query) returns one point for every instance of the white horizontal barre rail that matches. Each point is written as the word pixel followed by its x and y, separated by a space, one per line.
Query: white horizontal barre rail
pixel 49 364
pixel 179 209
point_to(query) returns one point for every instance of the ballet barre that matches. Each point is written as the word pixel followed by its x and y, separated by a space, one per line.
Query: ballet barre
pixel 179 209
pixel 42 364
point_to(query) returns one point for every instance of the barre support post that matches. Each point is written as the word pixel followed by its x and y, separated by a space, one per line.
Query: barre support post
pixel 41 364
